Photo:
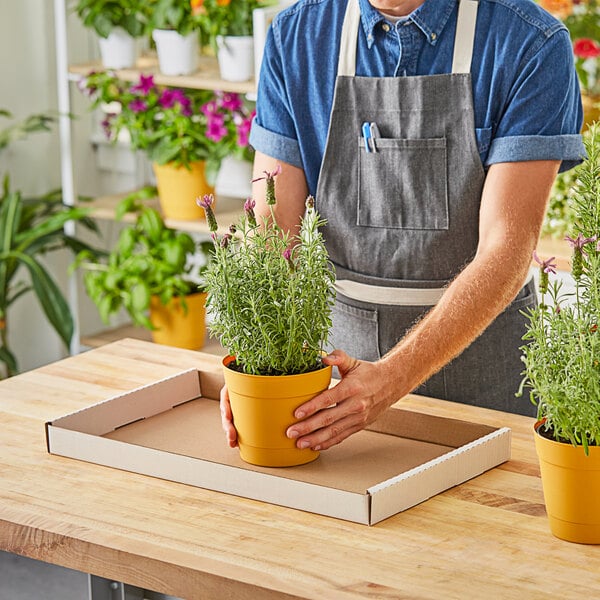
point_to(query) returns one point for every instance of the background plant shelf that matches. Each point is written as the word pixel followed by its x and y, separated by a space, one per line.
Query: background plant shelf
pixel 206 77
pixel 227 210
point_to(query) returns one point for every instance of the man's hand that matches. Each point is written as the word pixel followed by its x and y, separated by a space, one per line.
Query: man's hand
pixel 227 418
pixel 355 402
pixel 337 413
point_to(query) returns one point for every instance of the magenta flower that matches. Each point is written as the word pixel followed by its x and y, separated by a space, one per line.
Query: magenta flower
pixel 210 108
pixel 243 133
pixel 249 204
pixel 138 105
pixel 145 84
pixel 287 254
pixel 547 266
pixel 215 129
pixel 231 101
pixel 167 98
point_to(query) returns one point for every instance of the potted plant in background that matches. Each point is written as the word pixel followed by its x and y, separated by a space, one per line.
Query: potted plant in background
pixel 118 23
pixel 228 27
pixel 185 133
pixel 562 369
pixel 149 273
pixel 175 31
pixel 269 298
pixel 30 228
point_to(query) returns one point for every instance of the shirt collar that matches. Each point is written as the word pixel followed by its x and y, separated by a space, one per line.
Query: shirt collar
pixel 430 18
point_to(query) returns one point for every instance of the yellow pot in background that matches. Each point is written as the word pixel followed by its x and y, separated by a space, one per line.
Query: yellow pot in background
pixel 571 482
pixel 177 328
pixel 591 110
pixel 178 188
pixel 263 408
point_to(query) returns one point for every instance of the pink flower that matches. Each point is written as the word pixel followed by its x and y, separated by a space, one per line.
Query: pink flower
pixel 269 176
pixel 206 201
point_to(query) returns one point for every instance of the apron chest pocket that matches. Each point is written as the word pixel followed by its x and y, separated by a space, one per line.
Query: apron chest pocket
pixel 403 185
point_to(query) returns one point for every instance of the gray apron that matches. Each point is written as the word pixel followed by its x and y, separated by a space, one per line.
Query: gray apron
pixel 402 221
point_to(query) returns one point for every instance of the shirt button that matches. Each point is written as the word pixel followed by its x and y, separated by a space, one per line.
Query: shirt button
pixel 385 27
pixel 433 37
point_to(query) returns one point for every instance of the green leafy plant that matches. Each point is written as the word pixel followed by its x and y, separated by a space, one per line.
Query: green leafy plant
pixel 149 259
pixel 105 15
pixel 562 356
pixel 269 294
pixel 176 15
pixel 560 217
pixel 29 229
pixel 225 17
pixel 173 125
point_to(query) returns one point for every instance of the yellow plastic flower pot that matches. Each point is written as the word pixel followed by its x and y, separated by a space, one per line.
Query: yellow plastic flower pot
pixel 177 328
pixel 263 408
pixel 571 483
pixel 591 109
pixel 178 189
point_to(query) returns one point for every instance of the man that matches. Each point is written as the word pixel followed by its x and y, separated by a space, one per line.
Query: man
pixel 430 134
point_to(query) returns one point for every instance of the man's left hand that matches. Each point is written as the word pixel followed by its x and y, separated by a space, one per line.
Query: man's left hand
pixel 355 402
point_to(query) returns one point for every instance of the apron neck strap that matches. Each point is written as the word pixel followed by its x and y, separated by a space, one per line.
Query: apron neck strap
pixel 463 40
pixel 465 36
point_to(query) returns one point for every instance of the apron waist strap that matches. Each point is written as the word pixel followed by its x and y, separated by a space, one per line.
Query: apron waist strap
pixel 397 296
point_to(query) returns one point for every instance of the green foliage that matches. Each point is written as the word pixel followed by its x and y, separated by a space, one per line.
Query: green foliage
pixel 149 259
pixel 173 14
pixel 562 357
pixel 174 125
pixel 225 17
pixel 29 229
pixel 21 129
pixel 270 296
pixel 104 15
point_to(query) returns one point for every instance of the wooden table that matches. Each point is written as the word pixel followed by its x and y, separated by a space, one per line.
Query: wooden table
pixel 488 538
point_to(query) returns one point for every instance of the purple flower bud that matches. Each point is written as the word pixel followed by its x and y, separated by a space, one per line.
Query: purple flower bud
pixel 206 203
pixel 249 210
pixel 225 240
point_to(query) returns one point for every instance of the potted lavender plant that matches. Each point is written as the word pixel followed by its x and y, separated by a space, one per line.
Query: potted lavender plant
pixel 562 369
pixel 270 297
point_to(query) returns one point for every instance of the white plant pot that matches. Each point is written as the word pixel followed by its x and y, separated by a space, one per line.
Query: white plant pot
pixel 236 57
pixel 177 54
pixel 234 178
pixel 118 50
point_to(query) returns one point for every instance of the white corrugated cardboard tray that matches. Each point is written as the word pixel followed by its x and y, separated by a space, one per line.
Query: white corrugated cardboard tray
pixel 171 429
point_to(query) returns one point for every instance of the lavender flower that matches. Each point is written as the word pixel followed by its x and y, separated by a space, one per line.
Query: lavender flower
pixel 270 179
pixel 578 253
pixel 546 266
pixel 249 210
pixel 206 203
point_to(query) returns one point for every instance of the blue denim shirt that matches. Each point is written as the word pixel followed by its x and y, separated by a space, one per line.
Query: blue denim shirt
pixel 526 94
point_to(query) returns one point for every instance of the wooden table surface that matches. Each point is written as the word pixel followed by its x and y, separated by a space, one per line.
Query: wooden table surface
pixel 488 538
